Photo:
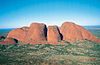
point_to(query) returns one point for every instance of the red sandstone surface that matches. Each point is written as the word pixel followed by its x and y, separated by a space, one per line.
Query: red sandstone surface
pixel 19 34
pixel 38 33
pixel 9 41
pixel 72 32
pixel 53 34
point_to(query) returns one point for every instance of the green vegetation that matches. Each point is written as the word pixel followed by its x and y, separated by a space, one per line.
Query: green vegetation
pixel 79 53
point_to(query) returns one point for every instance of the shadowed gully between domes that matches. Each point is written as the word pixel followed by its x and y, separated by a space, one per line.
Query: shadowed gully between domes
pixel 39 33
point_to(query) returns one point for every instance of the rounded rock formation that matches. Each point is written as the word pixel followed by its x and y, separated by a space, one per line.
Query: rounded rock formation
pixel 72 32
pixel 37 33
pixel 53 34
pixel 19 34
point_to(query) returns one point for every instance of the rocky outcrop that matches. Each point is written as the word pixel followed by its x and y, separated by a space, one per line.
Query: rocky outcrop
pixel 53 34
pixel 19 34
pixel 38 33
pixel 9 41
pixel 72 32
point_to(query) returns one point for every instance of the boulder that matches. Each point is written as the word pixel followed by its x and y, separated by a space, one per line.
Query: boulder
pixel 19 34
pixel 37 33
pixel 53 34
pixel 72 32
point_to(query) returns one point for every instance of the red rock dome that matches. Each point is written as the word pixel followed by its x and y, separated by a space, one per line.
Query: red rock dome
pixel 72 32
pixel 19 34
pixel 38 33
pixel 53 34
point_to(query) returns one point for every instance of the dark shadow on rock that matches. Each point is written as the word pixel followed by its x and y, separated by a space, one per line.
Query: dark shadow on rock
pixel 16 40
pixel 45 32
pixel 61 36
pixel 60 33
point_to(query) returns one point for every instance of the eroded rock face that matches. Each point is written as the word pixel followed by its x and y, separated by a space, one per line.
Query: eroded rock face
pixel 9 41
pixel 72 32
pixel 37 33
pixel 53 34
pixel 19 34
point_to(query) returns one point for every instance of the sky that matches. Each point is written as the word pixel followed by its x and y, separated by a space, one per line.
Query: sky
pixel 18 13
